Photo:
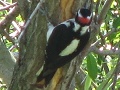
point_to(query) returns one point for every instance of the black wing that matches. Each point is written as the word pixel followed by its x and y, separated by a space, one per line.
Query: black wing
pixel 58 41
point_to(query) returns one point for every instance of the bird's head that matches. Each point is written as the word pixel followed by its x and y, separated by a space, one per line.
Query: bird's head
pixel 84 16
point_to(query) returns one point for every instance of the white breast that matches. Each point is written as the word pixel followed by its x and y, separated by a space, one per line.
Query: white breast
pixel 70 48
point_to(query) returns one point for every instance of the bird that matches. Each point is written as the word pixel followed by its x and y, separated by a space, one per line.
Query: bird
pixel 64 42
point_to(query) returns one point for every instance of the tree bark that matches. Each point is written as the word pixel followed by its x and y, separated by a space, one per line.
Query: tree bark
pixel 33 42
pixel 7 62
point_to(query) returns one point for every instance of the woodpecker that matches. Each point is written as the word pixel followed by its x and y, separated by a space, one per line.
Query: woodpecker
pixel 65 42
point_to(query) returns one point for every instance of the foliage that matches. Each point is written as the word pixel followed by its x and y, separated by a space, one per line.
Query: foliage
pixel 107 64
pixel 2 86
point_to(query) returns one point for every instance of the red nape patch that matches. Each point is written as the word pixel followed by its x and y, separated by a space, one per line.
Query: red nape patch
pixel 84 20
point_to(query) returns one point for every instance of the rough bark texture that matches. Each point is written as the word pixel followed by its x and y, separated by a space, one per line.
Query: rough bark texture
pixel 33 42
pixel 7 62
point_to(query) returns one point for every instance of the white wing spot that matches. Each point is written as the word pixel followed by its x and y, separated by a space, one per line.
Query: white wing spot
pixel 70 48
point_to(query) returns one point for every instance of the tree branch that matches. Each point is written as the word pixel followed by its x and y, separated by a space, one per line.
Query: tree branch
pixel 105 52
pixel 8 19
pixel 116 72
pixel 2 3
pixel 106 35
pixel 8 6
pixel 94 49
pixel 7 62
pixel 17 30
pixel 30 18
pixel 104 11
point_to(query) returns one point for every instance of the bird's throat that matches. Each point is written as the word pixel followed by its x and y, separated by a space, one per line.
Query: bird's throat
pixel 83 20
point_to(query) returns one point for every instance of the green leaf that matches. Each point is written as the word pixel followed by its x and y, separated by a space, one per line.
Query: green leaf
pixel 119 1
pixel 87 83
pixel 92 66
pixel 112 36
pixel 107 81
pixel 116 22
pixel 99 59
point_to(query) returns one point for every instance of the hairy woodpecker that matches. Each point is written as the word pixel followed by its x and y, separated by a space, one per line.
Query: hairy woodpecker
pixel 65 42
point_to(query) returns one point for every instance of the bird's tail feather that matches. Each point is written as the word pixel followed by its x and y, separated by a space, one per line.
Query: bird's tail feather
pixel 44 78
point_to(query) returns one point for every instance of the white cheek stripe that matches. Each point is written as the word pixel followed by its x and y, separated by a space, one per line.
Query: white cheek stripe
pixel 79 14
pixel 77 26
pixel 84 29
pixel 70 48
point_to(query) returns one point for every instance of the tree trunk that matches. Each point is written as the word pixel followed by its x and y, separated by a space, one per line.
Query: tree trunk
pixel 7 62
pixel 33 42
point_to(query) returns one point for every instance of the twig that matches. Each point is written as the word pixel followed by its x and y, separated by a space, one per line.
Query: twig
pixel 102 38
pixel 103 88
pixel 2 3
pixel 7 36
pixel 12 47
pixel 105 52
pixel 17 30
pixel 116 73
pixel 96 11
pixel 106 35
pixel 96 8
pixel 16 26
pixel 8 6
pixel 104 11
pixel 8 19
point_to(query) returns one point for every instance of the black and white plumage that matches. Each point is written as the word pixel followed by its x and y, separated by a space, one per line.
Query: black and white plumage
pixel 65 42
